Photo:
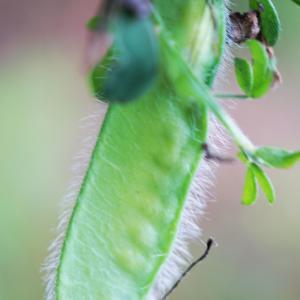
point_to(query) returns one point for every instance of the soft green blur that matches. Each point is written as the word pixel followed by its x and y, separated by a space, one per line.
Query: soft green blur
pixel 43 98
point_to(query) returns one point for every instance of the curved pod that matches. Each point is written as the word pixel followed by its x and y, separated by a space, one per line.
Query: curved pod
pixel 130 204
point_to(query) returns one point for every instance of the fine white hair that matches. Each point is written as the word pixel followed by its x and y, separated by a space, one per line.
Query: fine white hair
pixel 90 125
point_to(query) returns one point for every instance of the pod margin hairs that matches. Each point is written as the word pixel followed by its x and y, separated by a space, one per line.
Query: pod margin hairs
pixel 91 126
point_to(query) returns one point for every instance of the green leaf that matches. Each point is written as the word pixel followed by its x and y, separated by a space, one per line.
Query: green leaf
pixel 250 188
pixel 94 23
pixel 244 74
pixel 264 182
pixel 262 73
pixel 296 1
pixel 256 79
pixel 133 64
pixel 270 22
pixel 264 86
pixel 278 158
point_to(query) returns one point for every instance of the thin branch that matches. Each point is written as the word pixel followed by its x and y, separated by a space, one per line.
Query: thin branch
pixel 209 244
pixel 232 96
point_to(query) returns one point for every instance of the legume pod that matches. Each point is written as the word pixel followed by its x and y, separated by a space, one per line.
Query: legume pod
pixel 127 214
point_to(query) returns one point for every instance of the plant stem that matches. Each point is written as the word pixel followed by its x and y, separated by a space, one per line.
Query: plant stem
pixel 201 92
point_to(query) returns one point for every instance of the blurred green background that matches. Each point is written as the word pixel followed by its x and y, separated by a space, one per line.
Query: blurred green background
pixel 44 97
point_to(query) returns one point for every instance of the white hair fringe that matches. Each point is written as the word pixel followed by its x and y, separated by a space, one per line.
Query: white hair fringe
pixel 189 230
pixel 92 125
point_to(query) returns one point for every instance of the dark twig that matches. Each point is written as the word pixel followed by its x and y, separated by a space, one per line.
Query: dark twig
pixel 211 156
pixel 231 96
pixel 209 244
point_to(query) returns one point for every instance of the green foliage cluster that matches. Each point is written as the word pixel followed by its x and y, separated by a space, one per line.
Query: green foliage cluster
pixel 256 79
pixel 269 157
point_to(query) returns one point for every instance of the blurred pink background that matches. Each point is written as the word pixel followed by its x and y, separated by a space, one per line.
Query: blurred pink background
pixel 44 96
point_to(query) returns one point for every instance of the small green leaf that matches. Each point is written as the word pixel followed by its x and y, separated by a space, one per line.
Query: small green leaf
pixel 270 22
pixel 94 23
pixel 278 158
pixel 264 182
pixel 250 188
pixel 296 1
pixel 264 86
pixel 262 73
pixel 244 74
pixel 256 79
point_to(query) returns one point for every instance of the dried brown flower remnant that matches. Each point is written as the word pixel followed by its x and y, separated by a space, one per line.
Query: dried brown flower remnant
pixel 244 26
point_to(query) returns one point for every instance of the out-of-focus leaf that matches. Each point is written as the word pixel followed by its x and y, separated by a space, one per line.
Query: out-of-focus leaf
pixel 278 158
pixel 244 74
pixel 270 22
pixel 264 182
pixel 296 1
pixel 250 188
pixel 134 61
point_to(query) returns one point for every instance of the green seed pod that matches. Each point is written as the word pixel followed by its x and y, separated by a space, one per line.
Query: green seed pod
pixel 126 221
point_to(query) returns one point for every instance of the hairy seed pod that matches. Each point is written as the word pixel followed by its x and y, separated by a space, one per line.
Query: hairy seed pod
pixel 127 218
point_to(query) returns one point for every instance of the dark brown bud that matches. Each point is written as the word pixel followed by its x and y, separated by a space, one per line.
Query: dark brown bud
pixel 244 26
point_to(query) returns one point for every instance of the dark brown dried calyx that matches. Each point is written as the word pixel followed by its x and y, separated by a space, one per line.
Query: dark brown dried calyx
pixel 244 26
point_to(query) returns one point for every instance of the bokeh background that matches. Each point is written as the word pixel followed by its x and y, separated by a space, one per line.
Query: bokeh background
pixel 44 97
